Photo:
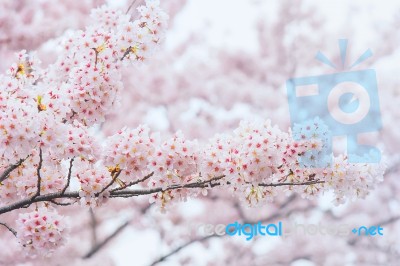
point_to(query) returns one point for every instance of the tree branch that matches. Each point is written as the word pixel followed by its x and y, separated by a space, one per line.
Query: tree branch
pixel 127 51
pixel 137 192
pixel 307 183
pixel 127 193
pixel 39 178
pixel 106 240
pixel 176 250
pixel 61 203
pixel 133 182
pixel 92 251
pixel 71 162
pixel 202 184
pixel 9 229
pixel 28 201
pixel 109 184
pixel 11 168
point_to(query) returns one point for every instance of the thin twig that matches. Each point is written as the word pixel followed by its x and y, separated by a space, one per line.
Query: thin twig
pixel 176 250
pixel 61 203
pixel 39 178
pixel 130 6
pixel 109 184
pixel 11 168
pixel 134 182
pixel 128 50
pixel 9 229
pixel 69 175
pixel 292 183
pixel 106 240
pixel 142 210
pixel 96 54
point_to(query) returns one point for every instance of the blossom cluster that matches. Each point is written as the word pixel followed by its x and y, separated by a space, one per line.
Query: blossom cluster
pixel 93 182
pixel 256 153
pixel 175 161
pixel 48 116
pixel 35 102
pixel 129 151
pixel 248 162
pixel 89 69
pixel 41 232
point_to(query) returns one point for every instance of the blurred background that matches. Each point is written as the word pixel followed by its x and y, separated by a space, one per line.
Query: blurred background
pixel 224 61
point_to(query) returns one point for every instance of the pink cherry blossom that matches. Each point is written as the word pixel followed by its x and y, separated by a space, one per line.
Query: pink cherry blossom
pixel 41 232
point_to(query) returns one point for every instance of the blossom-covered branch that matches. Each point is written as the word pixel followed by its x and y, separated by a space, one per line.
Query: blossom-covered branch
pixel 115 193
pixel 48 115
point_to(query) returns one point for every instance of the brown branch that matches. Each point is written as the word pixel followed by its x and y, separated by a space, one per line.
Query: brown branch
pixel 137 192
pixel 71 162
pixel 9 229
pixel 307 183
pixel 128 50
pixel 134 182
pixel 213 182
pixel 96 56
pixel 106 240
pixel 176 250
pixel 41 198
pixel 109 184
pixel 202 184
pixel 61 203
pixel 39 178
pixel 11 168
pixel 95 250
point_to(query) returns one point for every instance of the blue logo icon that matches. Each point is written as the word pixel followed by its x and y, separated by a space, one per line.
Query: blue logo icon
pixel 339 104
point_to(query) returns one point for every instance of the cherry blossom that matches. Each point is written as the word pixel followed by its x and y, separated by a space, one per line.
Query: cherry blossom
pixel 54 156
pixel 41 232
